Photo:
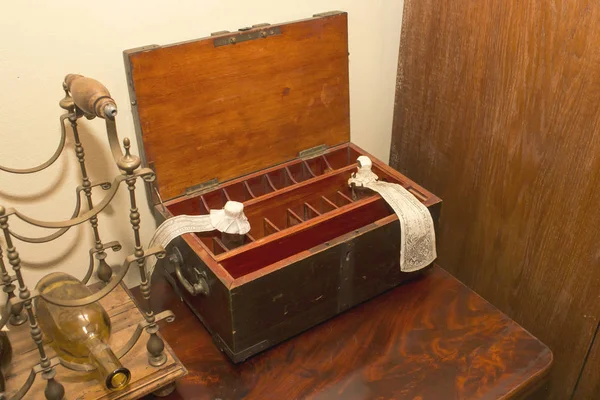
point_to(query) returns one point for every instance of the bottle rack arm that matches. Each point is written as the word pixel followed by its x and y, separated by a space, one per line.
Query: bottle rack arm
pixel 60 232
pixel 28 383
pixel 114 246
pixel 145 173
pixel 157 251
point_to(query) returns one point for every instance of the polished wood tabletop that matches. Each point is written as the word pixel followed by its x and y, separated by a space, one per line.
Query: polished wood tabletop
pixel 432 338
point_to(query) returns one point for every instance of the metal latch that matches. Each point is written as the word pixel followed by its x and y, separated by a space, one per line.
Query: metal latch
pixel 202 187
pixel 313 152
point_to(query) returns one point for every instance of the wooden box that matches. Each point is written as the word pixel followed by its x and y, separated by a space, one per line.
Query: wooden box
pixel 261 116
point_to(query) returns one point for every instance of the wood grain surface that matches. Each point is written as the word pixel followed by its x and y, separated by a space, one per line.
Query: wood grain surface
pixel 588 386
pixel 221 112
pixel 497 113
pixel 429 339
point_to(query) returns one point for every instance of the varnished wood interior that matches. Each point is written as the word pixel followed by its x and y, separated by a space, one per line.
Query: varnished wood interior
pixel 294 241
pixel 235 109
pixel 261 183
pixel 291 208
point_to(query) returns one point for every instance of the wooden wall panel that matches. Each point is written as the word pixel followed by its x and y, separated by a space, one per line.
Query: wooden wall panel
pixel 588 386
pixel 498 113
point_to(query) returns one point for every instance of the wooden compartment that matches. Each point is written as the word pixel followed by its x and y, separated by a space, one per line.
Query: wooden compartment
pixel 305 213
pixel 261 117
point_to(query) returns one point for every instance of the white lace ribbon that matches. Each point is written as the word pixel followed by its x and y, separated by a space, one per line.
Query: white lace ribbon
pixel 417 234
pixel 231 219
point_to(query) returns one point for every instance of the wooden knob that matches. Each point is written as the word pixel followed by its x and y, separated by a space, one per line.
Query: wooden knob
pixel 91 96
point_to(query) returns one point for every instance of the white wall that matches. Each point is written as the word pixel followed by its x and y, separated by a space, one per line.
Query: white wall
pixel 42 41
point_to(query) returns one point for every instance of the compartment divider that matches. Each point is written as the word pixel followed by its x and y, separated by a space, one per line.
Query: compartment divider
pixel 290 176
pixel 270 182
pixel 307 168
pixel 226 195
pixel 217 243
pixel 310 212
pixel 269 227
pixel 327 165
pixel 292 216
pixel 205 204
pixel 248 189
pixel 329 202
pixel 250 237
pixel 344 198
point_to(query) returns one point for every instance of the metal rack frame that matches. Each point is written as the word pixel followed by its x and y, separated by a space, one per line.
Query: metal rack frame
pixel 83 97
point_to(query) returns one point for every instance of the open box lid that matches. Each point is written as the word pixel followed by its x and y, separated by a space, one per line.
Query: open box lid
pixel 217 108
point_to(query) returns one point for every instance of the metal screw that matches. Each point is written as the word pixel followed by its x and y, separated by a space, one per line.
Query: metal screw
pixel 232 40
pixel 263 34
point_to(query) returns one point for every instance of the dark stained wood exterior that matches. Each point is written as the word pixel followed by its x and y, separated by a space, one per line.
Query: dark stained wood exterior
pixel 588 386
pixel 245 113
pixel 429 339
pixel 306 292
pixel 497 113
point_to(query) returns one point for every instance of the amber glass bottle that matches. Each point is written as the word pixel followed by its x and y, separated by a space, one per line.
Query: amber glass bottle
pixel 79 334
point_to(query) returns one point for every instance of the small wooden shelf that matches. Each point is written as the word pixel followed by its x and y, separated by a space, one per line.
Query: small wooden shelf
pixel 124 316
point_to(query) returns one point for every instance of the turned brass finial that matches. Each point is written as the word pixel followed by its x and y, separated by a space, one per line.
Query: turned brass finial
pixel 128 162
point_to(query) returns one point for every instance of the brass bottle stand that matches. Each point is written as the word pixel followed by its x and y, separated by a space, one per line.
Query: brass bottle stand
pixel 83 97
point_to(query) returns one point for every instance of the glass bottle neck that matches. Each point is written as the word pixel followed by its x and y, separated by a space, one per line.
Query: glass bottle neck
pixel 107 364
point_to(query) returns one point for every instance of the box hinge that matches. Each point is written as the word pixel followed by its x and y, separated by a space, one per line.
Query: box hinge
pixel 202 187
pixel 247 34
pixel 313 152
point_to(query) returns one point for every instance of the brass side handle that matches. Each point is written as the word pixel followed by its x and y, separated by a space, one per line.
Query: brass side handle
pixel 200 287
pixel 92 97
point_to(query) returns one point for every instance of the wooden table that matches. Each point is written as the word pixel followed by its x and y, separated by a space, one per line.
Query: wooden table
pixel 432 338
